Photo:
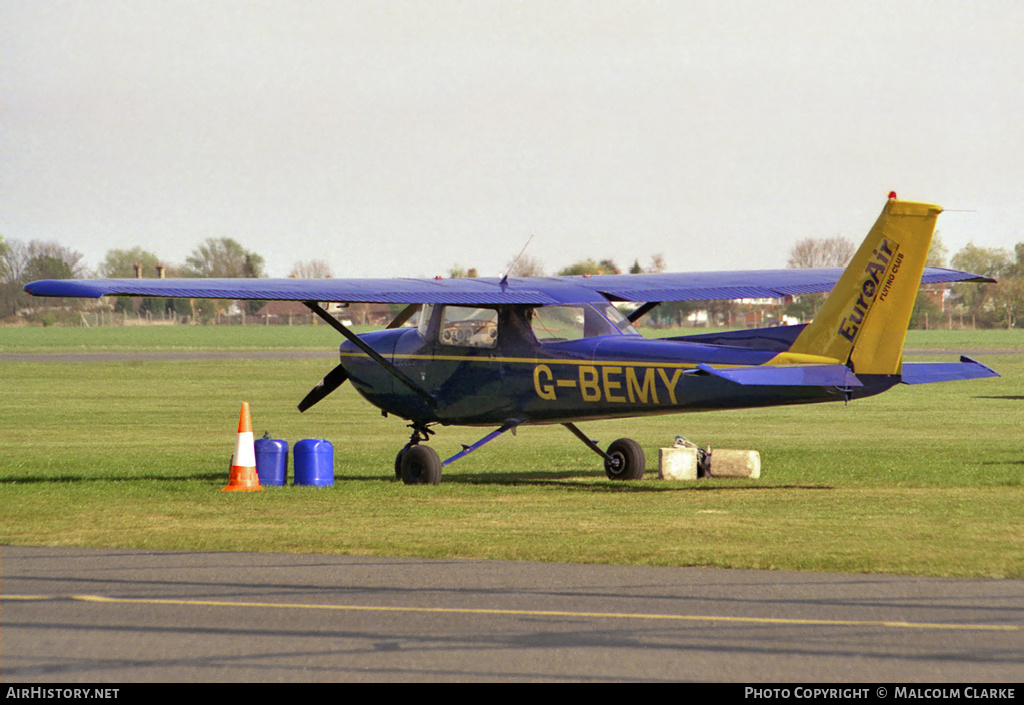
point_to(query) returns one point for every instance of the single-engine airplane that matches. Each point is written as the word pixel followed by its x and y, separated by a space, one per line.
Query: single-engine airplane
pixel 515 351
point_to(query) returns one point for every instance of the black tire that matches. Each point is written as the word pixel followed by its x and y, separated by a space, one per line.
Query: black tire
pixel 627 460
pixel 398 462
pixel 420 466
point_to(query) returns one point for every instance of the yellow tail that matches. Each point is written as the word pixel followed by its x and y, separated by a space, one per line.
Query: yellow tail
pixel 863 322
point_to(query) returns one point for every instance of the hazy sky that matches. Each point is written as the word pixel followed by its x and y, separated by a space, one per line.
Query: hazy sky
pixel 401 138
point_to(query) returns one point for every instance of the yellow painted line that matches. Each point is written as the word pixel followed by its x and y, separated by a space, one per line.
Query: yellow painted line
pixel 536 361
pixel 780 360
pixel 532 613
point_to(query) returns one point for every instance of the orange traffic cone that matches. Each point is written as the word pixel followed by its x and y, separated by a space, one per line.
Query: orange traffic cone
pixel 243 462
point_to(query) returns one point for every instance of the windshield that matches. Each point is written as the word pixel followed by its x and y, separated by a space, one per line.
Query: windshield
pixel 575 321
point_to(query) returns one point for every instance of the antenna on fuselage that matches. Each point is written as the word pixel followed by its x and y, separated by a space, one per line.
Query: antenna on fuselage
pixel 504 279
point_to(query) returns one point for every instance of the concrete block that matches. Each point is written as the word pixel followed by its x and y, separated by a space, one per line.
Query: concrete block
pixel 735 463
pixel 677 463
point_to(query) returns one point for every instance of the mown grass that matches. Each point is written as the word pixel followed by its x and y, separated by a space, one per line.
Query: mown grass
pixel 925 480
pixel 29 339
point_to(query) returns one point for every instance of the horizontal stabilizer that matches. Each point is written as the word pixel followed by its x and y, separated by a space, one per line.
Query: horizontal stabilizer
pixel 788 375
pixel 925 372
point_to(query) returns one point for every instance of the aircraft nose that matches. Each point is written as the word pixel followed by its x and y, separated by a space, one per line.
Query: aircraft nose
pixel 347 349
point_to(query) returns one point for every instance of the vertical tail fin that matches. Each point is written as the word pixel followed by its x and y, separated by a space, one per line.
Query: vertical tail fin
pixel 864 320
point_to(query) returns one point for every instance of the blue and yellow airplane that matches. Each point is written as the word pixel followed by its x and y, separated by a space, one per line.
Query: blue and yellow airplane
pixel 510 352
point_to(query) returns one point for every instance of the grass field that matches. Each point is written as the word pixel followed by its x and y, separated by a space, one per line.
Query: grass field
pixel 925 480
pixel 31 339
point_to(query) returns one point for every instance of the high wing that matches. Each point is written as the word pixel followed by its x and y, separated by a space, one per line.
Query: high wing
pixel 756 284
pixel 693 286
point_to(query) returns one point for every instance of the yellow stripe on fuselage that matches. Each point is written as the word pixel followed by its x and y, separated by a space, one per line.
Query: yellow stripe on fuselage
pixel 783 358
pixel 528 360
pixel 791 358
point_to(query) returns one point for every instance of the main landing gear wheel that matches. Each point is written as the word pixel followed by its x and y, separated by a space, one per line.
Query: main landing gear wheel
pixel 419 465
pixel 625 461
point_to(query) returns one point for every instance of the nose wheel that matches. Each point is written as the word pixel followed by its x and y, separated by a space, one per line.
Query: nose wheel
pixel 416 464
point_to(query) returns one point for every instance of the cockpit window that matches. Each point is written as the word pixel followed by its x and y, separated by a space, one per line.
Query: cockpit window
pixel 576 321
pixel 469 327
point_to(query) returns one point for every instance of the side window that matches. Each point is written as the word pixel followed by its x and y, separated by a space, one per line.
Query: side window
pixel 572 322
pixel 557 323
pixel 469 327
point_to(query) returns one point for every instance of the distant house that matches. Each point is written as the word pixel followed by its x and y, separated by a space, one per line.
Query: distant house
pixel 758 313
pixel 295 312
pixel 937 294
pixel 362 314
pixel 283 313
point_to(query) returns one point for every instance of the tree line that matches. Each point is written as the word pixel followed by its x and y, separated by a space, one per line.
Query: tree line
pixel 998 305
pixel 982 306
pixel 22 262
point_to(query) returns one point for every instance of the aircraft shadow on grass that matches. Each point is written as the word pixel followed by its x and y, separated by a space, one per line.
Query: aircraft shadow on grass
pixel 585 481
pixel 578 481
pixel 94 477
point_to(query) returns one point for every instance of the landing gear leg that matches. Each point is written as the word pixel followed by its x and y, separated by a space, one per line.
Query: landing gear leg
pixel 418 465
pixel 624 459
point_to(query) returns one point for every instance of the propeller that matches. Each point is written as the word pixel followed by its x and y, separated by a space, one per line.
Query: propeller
pixel 334 379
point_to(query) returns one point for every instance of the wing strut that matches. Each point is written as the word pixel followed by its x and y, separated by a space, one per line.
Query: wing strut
pixel 407 313
pixel 373 354
pixel 643 311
